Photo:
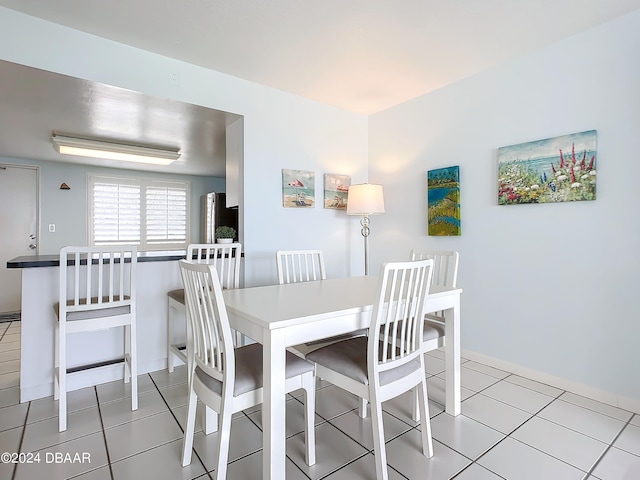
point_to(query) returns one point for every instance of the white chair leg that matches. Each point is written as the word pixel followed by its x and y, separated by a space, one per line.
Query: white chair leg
pixel 187 443
pixel 223 441
pixel 415 407
pixel 62 379
pixel 427 441
pixel 133 364
pixel 56 364
pixel 170 337
pixel 362 408
pixel 308 384
pixel 379 450
pixel 127 353
pixel 209 421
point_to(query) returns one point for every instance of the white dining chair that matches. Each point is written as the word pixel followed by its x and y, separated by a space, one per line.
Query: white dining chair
pixel 97 291
pixel 295 266
pixel 226 259
pixel 300 266
pixel 389 361
pixel 445 274
pixel 224 378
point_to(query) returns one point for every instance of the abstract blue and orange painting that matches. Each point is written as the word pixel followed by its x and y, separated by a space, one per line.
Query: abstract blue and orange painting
pixel 443 195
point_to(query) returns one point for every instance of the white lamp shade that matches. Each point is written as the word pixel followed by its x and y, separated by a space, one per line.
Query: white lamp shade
pixel 365 199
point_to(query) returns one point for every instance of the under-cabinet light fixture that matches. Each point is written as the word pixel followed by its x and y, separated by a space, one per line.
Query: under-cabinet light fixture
pixel 85 147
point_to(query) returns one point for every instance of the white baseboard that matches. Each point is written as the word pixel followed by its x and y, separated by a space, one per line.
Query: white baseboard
pixel 625 403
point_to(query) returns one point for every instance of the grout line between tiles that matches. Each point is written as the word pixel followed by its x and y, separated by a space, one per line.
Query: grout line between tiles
pixel 104 434
pixel 24 428
pixel 180 427
pixel 606 450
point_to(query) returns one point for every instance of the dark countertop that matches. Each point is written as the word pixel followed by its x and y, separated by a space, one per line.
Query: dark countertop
pixel 32 261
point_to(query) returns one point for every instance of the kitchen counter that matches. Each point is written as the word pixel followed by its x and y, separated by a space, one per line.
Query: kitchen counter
pixel 35 261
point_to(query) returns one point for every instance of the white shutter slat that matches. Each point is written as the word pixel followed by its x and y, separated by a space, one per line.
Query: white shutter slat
pixel 148 213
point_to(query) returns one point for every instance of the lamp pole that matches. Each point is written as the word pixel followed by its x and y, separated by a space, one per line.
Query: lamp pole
pixel 364 221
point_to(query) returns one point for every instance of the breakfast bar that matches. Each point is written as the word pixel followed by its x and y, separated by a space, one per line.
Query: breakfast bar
pixel 158 273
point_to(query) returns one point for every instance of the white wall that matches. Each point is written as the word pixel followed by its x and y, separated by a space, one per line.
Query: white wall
pixel 67 209
pixel 551 287
pixel 281 131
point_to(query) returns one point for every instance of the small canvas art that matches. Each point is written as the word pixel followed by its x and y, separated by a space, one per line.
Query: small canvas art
pixel 336 190
pixel 559 169
pixel 443 194
pixel 298 188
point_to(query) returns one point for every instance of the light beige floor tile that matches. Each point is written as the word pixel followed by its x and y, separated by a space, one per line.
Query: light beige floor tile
pixel 404 454
pixel 586 421
pixel 45 433
pixel 44 408
pixel 13 416
pixel 333 450
pixel 618 465
pixel 250 468
pixel 512 459
pixel 119 412
pixel 161 462
pixel 9 396
pixel 562 443
pixel 117 390
pixel 629 439
pixel 140 435
pixel 10 443
pixel 67 459
pixel 596 406
pixel 493 413
pixel 8 380
pixel 517 396
pixel 245 438
pixel 464 435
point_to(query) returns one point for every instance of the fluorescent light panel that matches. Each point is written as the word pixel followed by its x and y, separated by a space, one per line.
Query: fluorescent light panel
pixel 84 147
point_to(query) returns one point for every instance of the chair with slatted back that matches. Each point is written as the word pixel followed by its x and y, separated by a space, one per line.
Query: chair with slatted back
pixel 224 378
pixel 226 259
pixel 389 362
pixel 445 274
pixel 295 266
pixel 97 292
pixel 300 266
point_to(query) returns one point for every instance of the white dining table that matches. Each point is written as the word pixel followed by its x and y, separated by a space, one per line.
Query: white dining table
pixel 280 316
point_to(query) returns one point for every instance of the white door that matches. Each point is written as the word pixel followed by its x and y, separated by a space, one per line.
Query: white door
pixel 18 228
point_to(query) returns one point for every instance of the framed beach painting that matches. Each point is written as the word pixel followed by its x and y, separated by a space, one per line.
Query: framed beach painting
pixel 558 169
pixel 336 190
pixel 443 195
pixel 298 188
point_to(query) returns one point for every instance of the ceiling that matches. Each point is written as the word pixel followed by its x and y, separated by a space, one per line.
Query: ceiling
pixel 360 55
pixel 35 103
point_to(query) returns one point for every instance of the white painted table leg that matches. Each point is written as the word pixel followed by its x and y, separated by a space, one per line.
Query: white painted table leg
pixel 273 407
pixel 452 357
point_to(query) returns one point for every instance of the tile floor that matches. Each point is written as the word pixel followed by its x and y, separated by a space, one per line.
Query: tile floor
pixel 510 428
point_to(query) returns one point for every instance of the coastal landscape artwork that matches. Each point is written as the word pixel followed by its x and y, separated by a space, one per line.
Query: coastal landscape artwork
pixel 298 188
pixel 443 194
pixel 559 169
pixel 336 189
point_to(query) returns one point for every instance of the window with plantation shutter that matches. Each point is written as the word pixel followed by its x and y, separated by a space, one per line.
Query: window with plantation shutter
pixel 149 213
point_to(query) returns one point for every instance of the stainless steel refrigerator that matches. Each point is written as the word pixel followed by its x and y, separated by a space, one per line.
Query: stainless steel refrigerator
pixel 214 213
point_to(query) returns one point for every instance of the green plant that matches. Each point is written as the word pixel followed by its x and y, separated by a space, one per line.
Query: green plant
pixel 225 232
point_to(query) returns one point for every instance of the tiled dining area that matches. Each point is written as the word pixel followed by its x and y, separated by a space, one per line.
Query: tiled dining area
pixel 510 427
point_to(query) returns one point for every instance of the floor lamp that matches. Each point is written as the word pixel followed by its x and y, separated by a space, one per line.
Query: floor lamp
pixel 365 199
